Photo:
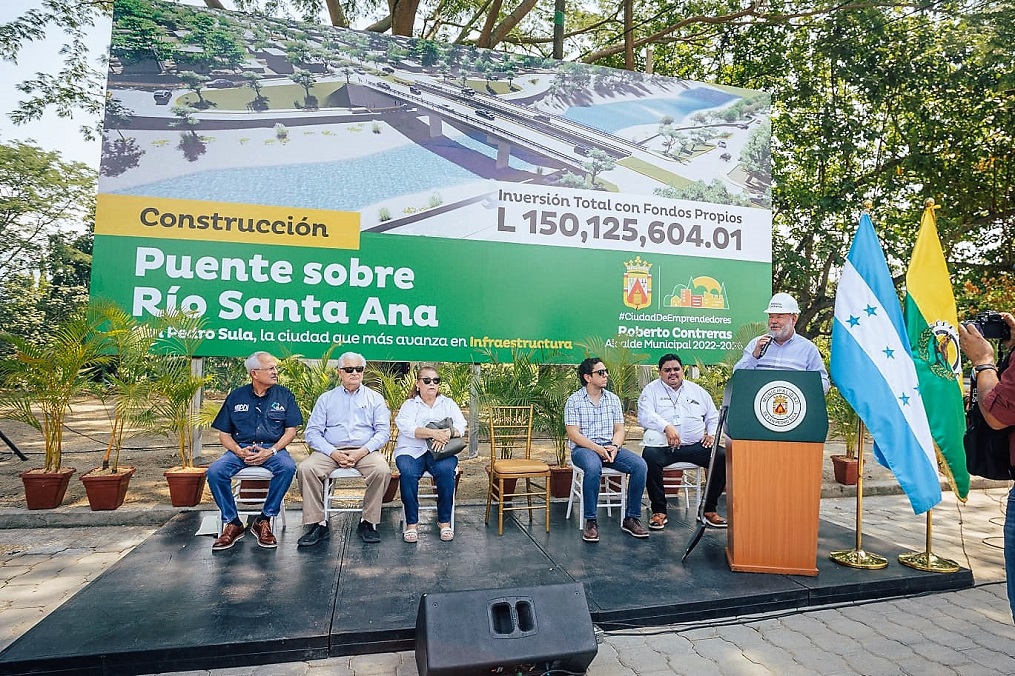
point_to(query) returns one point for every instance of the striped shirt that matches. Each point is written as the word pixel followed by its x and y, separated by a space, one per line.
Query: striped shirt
pixel 594 421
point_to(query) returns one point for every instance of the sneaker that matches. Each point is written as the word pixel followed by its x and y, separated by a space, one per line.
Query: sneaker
pixel 633 526
pixel 262 531
pixel 591 531
pixel 657 521
pixel 368 532
pixel 230 534
pixel 315 533
pixel 714 520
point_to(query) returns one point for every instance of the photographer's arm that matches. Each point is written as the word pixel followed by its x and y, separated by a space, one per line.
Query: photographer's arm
pixel 981 353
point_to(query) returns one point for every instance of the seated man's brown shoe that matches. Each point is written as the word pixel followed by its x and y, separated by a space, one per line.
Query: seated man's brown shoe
pixel 230 534
pixel 261 529
pixel 714 520
pixel 632 526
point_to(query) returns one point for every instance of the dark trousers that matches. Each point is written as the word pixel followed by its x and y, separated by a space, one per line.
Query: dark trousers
pixel 657 457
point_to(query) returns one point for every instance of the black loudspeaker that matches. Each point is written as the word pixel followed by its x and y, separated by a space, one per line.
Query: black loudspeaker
pixel 523 630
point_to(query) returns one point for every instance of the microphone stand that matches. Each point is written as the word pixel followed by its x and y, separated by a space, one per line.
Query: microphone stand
pixel 708 481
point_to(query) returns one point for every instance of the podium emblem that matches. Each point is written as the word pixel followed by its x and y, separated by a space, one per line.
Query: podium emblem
pixel 780 406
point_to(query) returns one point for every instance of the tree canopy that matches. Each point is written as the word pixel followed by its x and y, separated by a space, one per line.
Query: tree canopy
pixel 886 101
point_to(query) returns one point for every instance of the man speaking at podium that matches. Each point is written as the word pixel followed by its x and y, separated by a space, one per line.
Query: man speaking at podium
pixel 782 347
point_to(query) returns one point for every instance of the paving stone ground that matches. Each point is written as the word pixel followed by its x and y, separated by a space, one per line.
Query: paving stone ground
pixel 967 632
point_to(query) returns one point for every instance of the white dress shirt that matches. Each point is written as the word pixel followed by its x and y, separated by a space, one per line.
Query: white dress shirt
pixel 414 414
pixel 689 408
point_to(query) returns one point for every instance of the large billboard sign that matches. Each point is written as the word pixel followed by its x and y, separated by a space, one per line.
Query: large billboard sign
pixel 300 185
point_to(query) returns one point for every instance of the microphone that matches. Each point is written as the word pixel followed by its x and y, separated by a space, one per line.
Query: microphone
pixel 764 348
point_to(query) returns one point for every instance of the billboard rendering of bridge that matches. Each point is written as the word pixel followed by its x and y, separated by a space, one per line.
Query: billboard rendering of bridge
pixel 301 185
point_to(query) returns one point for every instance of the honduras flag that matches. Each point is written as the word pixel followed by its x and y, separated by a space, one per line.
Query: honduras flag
pixel 873 368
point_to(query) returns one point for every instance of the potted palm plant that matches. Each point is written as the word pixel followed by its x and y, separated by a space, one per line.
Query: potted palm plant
pixel 554 384
pixel 844 423
pixel 528 379
pixel 395 387
pixel 126 393
pixel 175 388
pixel 42 381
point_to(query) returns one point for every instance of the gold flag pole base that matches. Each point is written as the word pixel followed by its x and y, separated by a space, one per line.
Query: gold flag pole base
pixel 928 562
pixel 858 558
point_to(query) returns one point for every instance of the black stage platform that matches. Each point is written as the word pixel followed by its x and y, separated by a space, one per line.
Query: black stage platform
pixel 173 605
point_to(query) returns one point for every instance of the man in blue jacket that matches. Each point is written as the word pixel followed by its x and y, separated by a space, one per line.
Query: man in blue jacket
pixel 255 424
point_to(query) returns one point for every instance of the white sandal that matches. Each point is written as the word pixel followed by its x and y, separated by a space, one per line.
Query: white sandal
pixel 411 536
pixel 447 534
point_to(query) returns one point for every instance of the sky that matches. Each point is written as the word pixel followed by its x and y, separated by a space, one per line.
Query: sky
pixel 52 132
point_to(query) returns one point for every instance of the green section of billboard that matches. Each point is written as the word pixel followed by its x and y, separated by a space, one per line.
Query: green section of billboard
pixel 425 298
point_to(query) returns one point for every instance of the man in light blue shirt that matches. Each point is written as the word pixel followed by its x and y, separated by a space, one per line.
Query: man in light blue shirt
pixel 347 428
pixel 782 347
pixel 594 421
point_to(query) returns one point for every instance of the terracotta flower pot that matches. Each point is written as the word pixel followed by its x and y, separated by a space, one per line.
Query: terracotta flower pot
pixel 185 485
pixel 392 489
pixel 45 490
pixel 672 478
pixel 106 491
pixel 845 469
pixel 560 481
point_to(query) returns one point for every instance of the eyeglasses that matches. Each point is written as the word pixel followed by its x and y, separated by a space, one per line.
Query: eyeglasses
pixel 350 369
pixel 673 369
pixel 428 381
pixel 601 372
pixel 267 368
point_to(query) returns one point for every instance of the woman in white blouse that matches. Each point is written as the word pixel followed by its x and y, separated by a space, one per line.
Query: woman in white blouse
pixel 412 457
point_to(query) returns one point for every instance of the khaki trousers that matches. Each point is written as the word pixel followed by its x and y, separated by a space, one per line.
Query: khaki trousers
pixel 312 472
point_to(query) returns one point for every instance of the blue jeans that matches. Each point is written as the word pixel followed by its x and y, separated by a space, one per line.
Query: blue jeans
pixel 411 469
pixel 1009 549
pixel 221 472
pixel 626 462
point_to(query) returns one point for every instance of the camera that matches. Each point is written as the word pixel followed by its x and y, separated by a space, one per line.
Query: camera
pixel 991 325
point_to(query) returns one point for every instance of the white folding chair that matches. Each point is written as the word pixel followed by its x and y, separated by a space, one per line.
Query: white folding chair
pixel 336 493
pixel 250 499
pixel 612 491
pixel 673 485
pixel 430 493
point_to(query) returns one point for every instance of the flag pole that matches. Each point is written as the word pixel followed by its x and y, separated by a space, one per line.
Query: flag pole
pixel 927 560
pixel 857 557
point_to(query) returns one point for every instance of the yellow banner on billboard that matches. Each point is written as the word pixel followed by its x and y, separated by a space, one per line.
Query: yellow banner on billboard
pixel 160 217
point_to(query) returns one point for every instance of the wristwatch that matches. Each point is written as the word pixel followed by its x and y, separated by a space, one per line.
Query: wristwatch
pixel 980 368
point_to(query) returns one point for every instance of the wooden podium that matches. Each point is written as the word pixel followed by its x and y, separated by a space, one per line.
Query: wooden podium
pixel 773 471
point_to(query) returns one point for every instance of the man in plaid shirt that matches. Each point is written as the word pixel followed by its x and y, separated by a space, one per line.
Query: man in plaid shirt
pixel 595 428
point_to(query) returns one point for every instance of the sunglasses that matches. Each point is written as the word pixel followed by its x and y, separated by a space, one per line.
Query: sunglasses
pixel 350 369
pixel 601 372
pixel 428 381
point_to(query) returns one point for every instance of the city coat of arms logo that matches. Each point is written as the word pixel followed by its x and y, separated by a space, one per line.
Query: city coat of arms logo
pixel 780 406
pixel 637 283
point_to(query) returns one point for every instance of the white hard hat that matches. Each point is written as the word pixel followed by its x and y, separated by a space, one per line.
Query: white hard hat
pixel 783 303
